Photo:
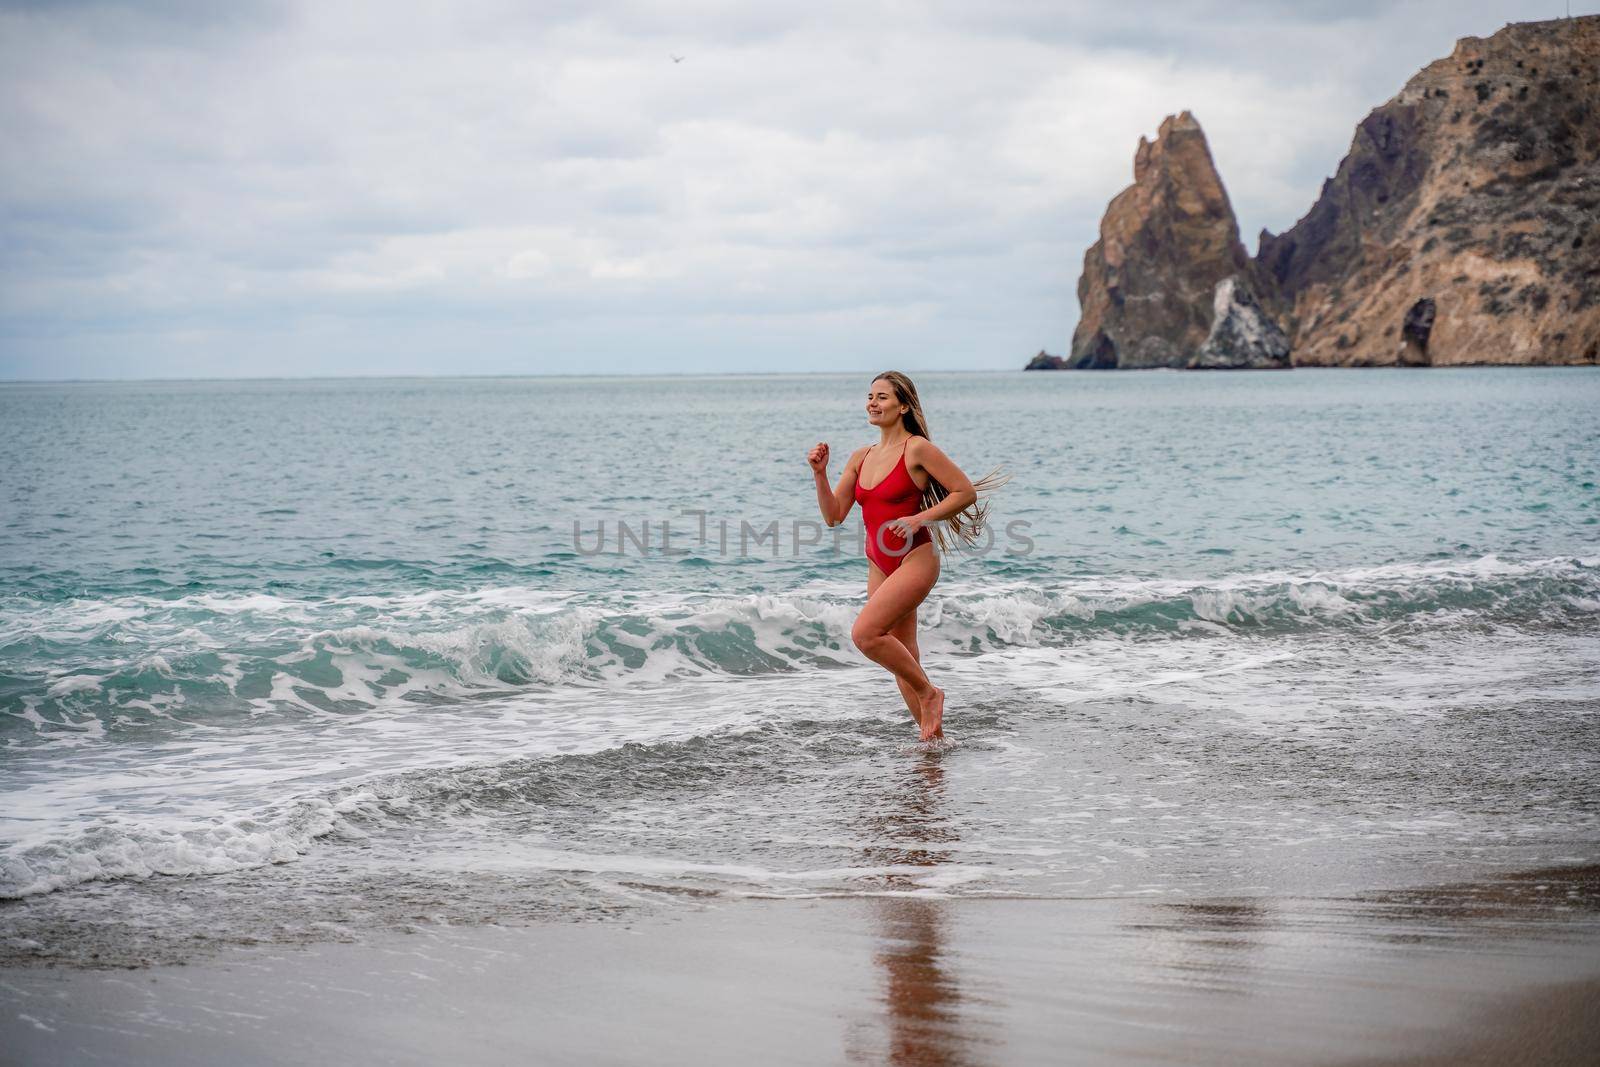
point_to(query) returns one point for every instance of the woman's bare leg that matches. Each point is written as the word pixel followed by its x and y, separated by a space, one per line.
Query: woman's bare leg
pixel 897 594
pixel 906 631
pixel 900 629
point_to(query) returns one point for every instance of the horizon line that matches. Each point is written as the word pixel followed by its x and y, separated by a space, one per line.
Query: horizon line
pixel 738 374
pixel 485 377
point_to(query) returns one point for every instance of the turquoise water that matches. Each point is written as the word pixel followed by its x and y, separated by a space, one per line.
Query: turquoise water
pixel 1237 632
pixel 321 488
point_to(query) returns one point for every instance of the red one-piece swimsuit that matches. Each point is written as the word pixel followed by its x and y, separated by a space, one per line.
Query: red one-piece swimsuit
pixel 893 498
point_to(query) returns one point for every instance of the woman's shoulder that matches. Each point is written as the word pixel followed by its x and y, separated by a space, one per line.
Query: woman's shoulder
pixel 919 450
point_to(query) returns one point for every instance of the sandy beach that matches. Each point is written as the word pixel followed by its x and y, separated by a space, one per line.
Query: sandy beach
pixel 1502 972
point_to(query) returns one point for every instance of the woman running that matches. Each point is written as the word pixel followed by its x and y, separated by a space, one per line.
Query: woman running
pixel 897 509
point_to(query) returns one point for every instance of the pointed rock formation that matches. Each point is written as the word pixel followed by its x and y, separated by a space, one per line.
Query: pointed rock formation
pixel 1464 225
pixel 1166 243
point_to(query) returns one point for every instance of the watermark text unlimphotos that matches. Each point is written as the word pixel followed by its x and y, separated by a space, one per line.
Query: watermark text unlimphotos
pixel 689 532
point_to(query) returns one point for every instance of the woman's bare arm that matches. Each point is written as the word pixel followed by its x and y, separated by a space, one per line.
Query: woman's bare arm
pixel 834 503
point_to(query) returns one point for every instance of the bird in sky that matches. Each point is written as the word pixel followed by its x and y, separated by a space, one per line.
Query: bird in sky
pixel 676 59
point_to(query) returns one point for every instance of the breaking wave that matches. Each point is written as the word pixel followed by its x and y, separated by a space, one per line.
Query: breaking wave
pixel 83 669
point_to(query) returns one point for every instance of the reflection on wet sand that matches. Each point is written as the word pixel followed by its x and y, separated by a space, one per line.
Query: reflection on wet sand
pixel 1223 945
pixel 1208 943
pixel 1282 979
pixel 1520 900
pixel 921 990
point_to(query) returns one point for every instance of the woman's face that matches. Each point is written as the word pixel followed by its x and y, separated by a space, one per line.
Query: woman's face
pixel 883 408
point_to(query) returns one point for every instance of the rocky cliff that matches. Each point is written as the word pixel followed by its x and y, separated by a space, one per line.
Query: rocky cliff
pixel 1168 243
pixel 1462 227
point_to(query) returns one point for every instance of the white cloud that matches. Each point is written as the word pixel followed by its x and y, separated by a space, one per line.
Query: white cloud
pixel 529 263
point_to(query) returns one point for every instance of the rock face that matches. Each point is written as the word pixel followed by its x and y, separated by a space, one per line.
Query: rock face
pixel 1165 243
pixel 1464 225
pixel 1045 361
pixel 1242 334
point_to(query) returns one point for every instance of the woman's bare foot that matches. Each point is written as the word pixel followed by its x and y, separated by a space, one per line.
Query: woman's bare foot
pixel 933 714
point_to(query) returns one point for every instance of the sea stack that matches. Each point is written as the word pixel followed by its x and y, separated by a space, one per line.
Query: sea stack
pixel 1167 265
pixel 1464 224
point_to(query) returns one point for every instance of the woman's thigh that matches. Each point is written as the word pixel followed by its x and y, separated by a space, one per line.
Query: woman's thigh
pixel 875 578
pixel 901 591
pixel 905 630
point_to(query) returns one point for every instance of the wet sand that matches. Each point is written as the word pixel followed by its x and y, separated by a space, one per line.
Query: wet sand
pixel 1499 972
pixel 1557 1024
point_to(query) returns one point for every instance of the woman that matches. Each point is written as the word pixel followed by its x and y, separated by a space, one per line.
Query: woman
pixel 897 509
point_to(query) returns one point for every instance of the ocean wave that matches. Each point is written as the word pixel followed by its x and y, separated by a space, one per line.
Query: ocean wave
pixel 705 759
pixel 122 849
pixel 80 666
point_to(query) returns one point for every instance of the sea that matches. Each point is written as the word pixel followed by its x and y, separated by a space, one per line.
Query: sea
pixel 284 661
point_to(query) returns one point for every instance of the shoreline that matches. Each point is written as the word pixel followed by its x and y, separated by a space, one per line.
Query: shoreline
pixel 1451 974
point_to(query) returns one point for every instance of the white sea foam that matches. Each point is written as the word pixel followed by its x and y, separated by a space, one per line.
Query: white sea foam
pixel 941 876
pixel 119 849
pixel 247 799
pixel 125 813
pixel 75 683
pixel 393 652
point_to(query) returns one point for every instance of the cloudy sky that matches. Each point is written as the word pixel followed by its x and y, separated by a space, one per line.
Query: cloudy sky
pixel 249 189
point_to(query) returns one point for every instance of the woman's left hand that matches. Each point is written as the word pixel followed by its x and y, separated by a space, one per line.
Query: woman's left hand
pixel 908 526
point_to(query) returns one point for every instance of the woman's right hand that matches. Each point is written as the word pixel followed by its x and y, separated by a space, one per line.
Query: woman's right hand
pixel 818 458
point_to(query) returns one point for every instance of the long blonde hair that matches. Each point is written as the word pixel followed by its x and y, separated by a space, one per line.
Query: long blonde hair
pixel 968 523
